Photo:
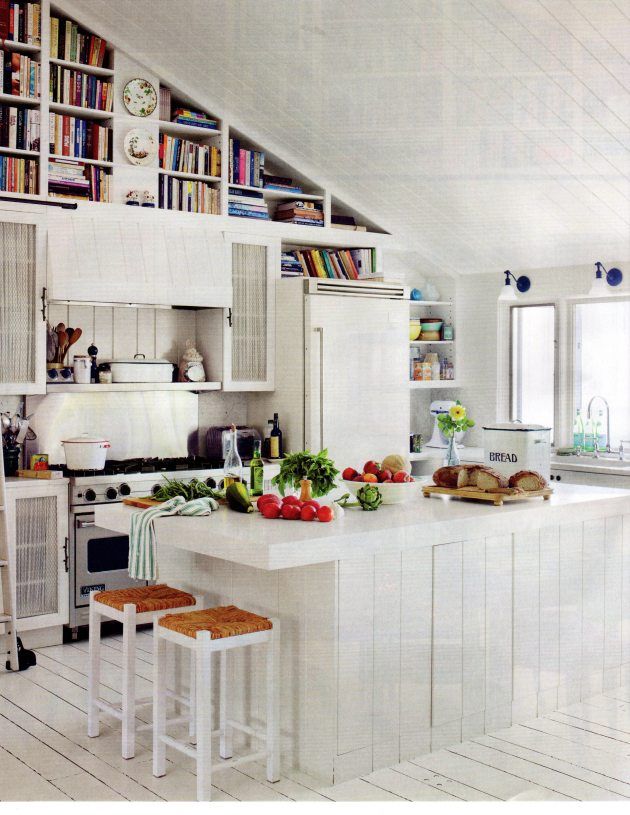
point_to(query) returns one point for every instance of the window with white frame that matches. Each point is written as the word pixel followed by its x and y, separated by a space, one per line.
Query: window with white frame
pixel 601 365
pixel 533 364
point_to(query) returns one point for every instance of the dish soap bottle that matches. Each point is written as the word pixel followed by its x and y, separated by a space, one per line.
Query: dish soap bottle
pixel 600 434
pixel 275 440
pixel 233 466
pixel 578 432
pixel 256 471
pixel 589 436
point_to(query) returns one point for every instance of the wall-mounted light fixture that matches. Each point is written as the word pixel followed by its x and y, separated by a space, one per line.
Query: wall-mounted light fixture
pixel 613 277
pixel 523 284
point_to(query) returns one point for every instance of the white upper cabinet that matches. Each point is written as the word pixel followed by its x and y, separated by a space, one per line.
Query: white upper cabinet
pixel 22 327
pixel 137 260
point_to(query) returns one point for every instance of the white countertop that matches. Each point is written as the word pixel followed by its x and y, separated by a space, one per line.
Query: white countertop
pixel 252 540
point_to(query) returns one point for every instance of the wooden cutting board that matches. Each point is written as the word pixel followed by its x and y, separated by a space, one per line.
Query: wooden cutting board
pixel 141 503
pixel 496 498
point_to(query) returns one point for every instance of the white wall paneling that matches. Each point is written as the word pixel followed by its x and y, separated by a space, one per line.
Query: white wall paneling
pixel 388 657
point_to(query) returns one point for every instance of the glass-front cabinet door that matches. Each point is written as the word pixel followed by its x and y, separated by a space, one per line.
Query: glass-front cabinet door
pixel 249 326
pixel 22 325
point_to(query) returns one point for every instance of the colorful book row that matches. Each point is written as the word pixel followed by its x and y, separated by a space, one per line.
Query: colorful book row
pixel 20 22
pixel 342 264
pixel 69 87
pixel 188 157
pixel 79 138
pixel 20 75
pixel 19 128
pixel 18 175
pixel 188 196
pixel 246 166
pixel 70 42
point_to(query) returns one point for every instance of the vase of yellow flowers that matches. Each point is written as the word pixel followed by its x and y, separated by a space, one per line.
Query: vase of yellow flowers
pixel 450 423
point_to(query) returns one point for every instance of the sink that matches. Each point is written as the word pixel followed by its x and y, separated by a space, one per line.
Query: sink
pixel 605 460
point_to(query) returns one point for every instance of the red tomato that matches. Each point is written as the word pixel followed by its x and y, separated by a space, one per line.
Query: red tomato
pixel 371 467
pixel 308 512
pixel 290 512
pixel 312 503
pixel 325 514
pixel 265 499
pixel 349 473
pixel 400 477
pixel 270 510
pixel 384 475
pixel 291 499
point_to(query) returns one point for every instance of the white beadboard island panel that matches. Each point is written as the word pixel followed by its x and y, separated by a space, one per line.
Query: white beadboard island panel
pixel 419 638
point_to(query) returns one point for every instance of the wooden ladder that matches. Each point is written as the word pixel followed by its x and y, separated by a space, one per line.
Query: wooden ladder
pixel 7 612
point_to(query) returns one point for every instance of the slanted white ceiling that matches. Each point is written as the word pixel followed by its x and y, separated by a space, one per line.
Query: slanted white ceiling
pixel 485 134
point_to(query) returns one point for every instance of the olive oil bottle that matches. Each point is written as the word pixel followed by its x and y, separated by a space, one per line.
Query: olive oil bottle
pixel 256 471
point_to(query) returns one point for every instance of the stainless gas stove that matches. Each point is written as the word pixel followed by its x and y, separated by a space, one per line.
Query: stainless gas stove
pixel 99 556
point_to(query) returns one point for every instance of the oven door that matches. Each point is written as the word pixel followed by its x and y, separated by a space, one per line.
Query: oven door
pixel 100 557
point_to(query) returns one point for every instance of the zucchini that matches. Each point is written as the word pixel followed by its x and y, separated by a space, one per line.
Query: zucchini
pixel 237 497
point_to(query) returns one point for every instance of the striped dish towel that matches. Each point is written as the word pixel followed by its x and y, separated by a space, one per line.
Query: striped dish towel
pixel 142 548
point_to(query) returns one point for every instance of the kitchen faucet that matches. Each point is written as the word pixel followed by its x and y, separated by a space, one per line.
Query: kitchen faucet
pixel 588 416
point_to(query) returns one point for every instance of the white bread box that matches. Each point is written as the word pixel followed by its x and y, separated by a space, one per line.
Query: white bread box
pixel 511 446
pixel 140 369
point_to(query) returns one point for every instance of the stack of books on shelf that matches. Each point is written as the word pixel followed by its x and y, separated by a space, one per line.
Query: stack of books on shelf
pixel 345 222
pixel 189 157
pixel 72 179
pixel 307 213
pixel 70 42
pixel 20 22
pixel 246 166
pixel 19 128
pixel 188 196
pixel 165 104
pixel 182 116
pixel 290 265
pixel 278 182
pixel 79 138
pixel 341 264
pixel 247 204
pixel 18 175
pixel 77 88
pixel 20 75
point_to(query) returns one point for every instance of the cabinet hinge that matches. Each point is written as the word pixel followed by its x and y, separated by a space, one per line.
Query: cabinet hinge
pixel 229 317
pixel 66 558
pixel 44 302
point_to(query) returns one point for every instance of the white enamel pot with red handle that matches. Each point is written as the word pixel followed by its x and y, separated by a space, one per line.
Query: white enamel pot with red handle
pixel 85 452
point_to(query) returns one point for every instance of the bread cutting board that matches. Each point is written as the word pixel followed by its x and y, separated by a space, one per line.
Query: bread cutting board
pixel 496 498
pixel 141 503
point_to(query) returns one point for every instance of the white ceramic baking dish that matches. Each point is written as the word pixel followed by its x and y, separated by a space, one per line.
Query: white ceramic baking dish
pixel 140 369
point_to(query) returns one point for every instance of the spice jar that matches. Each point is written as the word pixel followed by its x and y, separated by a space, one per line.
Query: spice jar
pixel 105 373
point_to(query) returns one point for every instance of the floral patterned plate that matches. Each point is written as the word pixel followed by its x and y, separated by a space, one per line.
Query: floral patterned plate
pixel 140 97
pixel 140 146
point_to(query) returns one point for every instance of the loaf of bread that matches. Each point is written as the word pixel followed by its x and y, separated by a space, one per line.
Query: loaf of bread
pixel 467 476
pixel 447 476
pixel 528 480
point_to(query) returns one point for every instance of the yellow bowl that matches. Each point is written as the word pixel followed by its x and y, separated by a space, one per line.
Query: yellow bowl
pixel 414 330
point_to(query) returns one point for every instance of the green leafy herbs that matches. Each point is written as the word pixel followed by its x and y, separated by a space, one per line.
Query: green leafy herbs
pixel 317 468
pixel 194 489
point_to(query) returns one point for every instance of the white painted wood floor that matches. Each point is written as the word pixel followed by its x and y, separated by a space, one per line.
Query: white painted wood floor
pixel 581 753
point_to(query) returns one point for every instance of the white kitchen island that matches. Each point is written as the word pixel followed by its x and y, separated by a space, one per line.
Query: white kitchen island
pixel 419 625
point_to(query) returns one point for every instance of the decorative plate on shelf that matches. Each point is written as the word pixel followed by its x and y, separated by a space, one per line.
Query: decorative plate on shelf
pixel 140 97
pixel 140 146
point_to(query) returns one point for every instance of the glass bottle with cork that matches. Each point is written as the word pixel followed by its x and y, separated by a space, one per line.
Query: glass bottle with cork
pixel 256 471
pixel 233 466
pixel 275 439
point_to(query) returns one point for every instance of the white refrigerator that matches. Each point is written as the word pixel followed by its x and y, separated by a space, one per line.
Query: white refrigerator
pixel 341 373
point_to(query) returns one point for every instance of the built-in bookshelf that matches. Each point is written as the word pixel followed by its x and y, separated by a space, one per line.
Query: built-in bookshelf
pixel 82 77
